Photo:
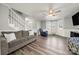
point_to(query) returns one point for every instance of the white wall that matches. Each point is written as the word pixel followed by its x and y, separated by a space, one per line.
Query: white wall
pixel 4 12
pixel 68 26
pixel 60 26
pixel 65 25
pixel 43 24
pixel 34 25
pixel 68 21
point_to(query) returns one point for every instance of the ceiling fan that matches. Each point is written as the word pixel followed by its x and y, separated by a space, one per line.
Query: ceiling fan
pixel 51 11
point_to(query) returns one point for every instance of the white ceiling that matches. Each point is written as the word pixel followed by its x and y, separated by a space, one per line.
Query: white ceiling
pixel 35 9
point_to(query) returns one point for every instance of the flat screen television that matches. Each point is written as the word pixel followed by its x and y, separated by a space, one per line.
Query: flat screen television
pixel 75 19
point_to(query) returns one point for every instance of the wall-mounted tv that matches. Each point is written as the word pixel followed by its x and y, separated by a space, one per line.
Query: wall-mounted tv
pixel 75 19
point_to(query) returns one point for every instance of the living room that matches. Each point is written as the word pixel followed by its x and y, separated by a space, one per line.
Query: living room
pixel 33 28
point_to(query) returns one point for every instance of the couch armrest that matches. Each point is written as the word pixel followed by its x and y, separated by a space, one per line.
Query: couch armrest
pixel 3 46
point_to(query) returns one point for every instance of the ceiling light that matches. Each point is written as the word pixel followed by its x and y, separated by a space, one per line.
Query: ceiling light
pixel 50 15
pixel 50 11
pixel 26 19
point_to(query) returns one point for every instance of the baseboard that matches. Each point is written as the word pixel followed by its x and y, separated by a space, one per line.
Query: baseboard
pixel 57 35
pixel 50 34
pixel 61 36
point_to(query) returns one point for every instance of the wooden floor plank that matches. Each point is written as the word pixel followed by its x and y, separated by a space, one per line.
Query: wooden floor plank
pixel 52 45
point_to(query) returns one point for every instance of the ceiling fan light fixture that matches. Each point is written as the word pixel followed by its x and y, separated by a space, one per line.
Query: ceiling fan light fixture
pixel 50 15
pixel 50 11
pixel 53 15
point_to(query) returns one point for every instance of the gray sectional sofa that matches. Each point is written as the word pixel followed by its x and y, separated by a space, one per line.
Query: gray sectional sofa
pixel 22 38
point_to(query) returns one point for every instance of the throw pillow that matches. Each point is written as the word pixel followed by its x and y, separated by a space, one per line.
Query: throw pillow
pixel 31 33
pixel 10 37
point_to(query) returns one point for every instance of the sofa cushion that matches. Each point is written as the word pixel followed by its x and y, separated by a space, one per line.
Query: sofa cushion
pixel 25 33
pixel 31 33
pixel 18 34
pixel 16 42
pixel 30 37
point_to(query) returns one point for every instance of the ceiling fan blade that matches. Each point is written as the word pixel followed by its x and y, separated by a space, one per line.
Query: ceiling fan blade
pixel 57 11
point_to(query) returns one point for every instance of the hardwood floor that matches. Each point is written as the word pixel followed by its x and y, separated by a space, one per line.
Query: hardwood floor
pixel 52 45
